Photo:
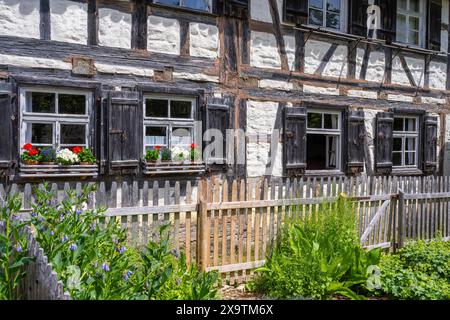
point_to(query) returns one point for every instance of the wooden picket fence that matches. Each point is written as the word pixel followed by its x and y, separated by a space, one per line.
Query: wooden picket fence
pixel 230 225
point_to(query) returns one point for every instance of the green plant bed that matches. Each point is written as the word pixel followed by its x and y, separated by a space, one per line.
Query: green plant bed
pixel 94 262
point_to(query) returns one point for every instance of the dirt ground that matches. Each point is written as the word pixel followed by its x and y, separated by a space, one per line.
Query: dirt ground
pixel 239 293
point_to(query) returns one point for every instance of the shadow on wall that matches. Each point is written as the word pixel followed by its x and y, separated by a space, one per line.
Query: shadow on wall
pixel 25 7
pixel 447 159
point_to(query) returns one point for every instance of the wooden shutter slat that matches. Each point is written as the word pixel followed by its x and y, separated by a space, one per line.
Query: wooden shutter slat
pixel 434 24
pixel 217 116
pixel 295 11
pixel 233 8
pixel 430 147
pixel 6 147
pixel 388 10
pixel 358 17
pixel 384 141
pixel 294 134
pixel 355 145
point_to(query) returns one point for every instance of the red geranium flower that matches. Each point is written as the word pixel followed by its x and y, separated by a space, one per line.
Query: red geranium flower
pixel 27 146
pixel 193 146
pixel 77 150
pixel 157 147
pixel 32 152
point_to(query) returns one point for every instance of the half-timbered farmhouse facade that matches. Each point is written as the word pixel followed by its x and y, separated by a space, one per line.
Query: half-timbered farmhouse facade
pixel 310 87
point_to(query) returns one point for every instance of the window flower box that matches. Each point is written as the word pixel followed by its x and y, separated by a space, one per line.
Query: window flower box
pixel 57 170
pixel 167 167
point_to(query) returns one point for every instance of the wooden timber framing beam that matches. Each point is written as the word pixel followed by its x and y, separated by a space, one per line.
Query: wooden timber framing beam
pixel 365 62
pixel 274 12
pixel 92 23
pixel 184 38
pixel 408 73
pixel 44 26
pixel 139 25
pixel 326 58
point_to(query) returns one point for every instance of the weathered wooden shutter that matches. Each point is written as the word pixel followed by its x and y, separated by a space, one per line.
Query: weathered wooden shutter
pixel 295 11
pixel 355 146
pixel 358 17
pixel 217 117
pixel 384 141
pixel 294 134
pixel 430 144
pixel 124 128
pixel 6 146
pixel 434 24
pixel 388 10
pixel 233 8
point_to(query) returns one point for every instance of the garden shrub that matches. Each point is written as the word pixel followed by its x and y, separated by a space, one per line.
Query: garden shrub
pixel 420 270
pixel 319 256
pixel 13 248
pixel 92 259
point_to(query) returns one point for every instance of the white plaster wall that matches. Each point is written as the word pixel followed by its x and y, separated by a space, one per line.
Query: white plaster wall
pixel 204 40
pixel 432 100
pixel 320 90
pixel 68 21
pixel 261 119
pixel 260 10
pixel 163 35
pixel 289 44
pixel 264 51
pixel 400 97
pixel 438 75
pixel 314 53
pixel 362 94
pixel 114 28
pixel 20 18
pixel 34 62
pixel 375 65
pixel 276 84
pixel 416 66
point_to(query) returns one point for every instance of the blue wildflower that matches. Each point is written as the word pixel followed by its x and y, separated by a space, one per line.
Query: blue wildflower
pixel 61 216
pixel 19 248
pixel 105 267
pixel 122 249
pixel 175 253
pixel 52 233
pixel 2 224
pixel 73 247
pixel 127 275
pixel 34 214
pixel 78 212
pixel 93 227
pixel 64 239
pixel 178 281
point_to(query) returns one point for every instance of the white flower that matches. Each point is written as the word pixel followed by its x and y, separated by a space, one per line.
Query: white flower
pixel 67 156
pixel 179 154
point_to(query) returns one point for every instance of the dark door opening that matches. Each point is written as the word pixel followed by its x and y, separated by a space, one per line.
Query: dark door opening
pixel 316 152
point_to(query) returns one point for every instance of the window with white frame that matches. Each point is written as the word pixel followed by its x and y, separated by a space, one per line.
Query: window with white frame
pixel 55 118
pixel 203 5
pixel 406 141
pixel 410 22
pixel 327 13
pixel 168 122
pixel 323 149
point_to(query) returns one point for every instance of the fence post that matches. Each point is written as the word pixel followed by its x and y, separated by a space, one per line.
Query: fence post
pixel 401 219
pixel 202 226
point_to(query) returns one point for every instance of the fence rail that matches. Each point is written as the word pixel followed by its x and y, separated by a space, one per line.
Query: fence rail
pixel 230 225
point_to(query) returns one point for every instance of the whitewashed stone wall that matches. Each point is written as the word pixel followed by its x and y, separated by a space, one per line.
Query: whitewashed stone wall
pixel 314 53
pixel 204 40
pixel 415 65
pixel 375 66
pixel 114 28
pixel 19 18
pixel 163 35
pixel 68 21
pixel 264 51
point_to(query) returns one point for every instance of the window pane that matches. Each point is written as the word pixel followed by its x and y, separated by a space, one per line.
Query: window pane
pixel 156 108
pixel 181 137
pixel 410 158
pixel 401 28
pixel 397 159
pixel 315 120
pixel 334 5
pixel 197 4
pixel 73 134
pixel 41 133
pixel 413 37
pixel 397 144
pixel 410 124
pixel 414 23
pixel 398 124
pixel 316 4
pixel 42 102
pixel 71 104
pixel 170 2
pixel 331 121
pixel 180 109
pixel 401 4
pixel 156 136
pixel 414 5
pixel 315 17
pixel 410 144
pixel 333 20
pixel 332 151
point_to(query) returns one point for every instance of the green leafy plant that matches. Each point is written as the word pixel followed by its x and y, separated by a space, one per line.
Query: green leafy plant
pixel 318 257
pixel 166 154
pixel 153 154
pixel 86 155
pixel 13 248
pixel 194 153
pixel 419 271
pixel 30 154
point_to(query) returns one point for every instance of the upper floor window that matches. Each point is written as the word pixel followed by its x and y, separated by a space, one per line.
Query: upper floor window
pixel 326 13
pixel 203 5
pixel 410 21
pixel 58 119
pixel 406 142
pixel 168 122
